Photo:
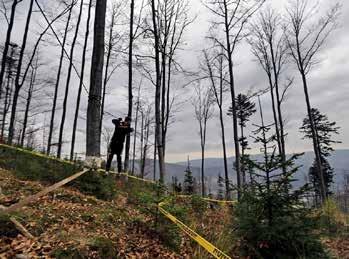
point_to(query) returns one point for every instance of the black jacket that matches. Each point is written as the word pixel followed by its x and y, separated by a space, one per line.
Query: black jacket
pixel 118 139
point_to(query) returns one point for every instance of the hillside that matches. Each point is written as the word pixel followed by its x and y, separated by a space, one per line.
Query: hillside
pixel 69 224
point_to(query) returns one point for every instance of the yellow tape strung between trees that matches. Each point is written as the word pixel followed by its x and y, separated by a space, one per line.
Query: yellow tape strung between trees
pixel 199 239
pixel 38 154
pixel 217 253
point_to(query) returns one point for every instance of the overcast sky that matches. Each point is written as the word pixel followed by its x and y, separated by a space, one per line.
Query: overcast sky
pixel 328 86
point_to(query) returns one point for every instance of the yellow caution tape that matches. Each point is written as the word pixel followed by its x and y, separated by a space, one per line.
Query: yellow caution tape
pixel 37 154
pixel 128 175
pixel 195 236
pixel 208 199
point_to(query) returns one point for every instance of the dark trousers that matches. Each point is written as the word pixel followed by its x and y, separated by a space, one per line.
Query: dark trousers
pixel 110 159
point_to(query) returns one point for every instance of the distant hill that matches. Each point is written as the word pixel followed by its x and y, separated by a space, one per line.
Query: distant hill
pixel 213 166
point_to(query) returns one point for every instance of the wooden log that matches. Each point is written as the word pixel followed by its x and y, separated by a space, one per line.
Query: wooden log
pixel 21 228
pixel 45 191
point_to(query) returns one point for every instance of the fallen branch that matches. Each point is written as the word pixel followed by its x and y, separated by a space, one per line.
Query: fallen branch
pixel 21 228
pixel 36 196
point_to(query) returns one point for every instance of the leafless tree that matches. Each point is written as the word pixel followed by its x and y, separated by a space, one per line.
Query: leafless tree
pixel 11 61
pixel 18 85
pixel 305 38
pixel 214 68
pixel 10 22
pixel 81 80
pixel 67 83
pixel 269 47
pixel 231 18
pixel 114 42
pixel 59 72
pixel 203 108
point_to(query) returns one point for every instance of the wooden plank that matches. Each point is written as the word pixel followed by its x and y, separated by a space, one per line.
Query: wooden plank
pixel 45 191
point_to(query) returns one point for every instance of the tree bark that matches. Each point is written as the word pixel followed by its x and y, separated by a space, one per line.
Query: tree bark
pixel 81 82
pixel 27 106
pixel 135 132
pixel 7 43
pixel 61 129
pixel 130 85
pixel 105 81
pixel 158 123
pixel 18 74
pixel 233 100
pixel 93 132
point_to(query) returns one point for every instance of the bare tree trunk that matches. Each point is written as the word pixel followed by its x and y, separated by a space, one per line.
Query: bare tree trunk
pixel 7 43
pixel 130 85
pixel 142 139
pixel 154 158
pixel 315 140
pixel 276 122
pixel 158 123
pixel 233 101
pixel 64 111
pixel 9 88
pixel 203 170
pixel 105 81
pixel 59 72
pixel 18 75
pixel 93 132
pixel 27 106
pixel 81 82
pixel 135 132
pixel 146 139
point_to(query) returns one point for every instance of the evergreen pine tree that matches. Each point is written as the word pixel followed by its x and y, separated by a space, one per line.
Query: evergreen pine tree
pixel 245 109
pixel 188 181
pixel 220 182
pixel 324 130
pixel 272 220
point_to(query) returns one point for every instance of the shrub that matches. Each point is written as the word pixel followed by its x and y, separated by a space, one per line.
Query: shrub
pixel 290 234
pixel 331 219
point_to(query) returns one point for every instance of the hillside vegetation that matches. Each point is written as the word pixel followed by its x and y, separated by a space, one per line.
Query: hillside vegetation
pixel 111 216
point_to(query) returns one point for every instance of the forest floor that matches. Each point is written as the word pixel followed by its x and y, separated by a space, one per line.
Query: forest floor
pixel 68 224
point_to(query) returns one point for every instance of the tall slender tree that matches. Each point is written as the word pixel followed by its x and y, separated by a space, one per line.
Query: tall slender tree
pixel 18 85
pixel 304 40
pixel 158 122
pixel 203 107
pixel 232 17
pixel 130 83
pixel 217 76
pixel 81 81
pixel 93 131
pixel 7 42
pixel 59 72
pixel 67 83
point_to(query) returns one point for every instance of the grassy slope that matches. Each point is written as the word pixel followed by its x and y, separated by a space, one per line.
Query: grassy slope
pixel 67 222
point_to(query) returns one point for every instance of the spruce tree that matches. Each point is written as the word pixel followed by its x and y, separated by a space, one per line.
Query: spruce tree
pixel 324 129
pixel 188 180
pixel 220 182
pixel 272 220
pixel 245 109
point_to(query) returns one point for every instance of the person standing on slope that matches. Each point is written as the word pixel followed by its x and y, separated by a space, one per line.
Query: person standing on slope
pixel 122 128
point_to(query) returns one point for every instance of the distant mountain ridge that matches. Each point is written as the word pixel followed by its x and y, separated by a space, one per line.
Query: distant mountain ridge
pixel 339 160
